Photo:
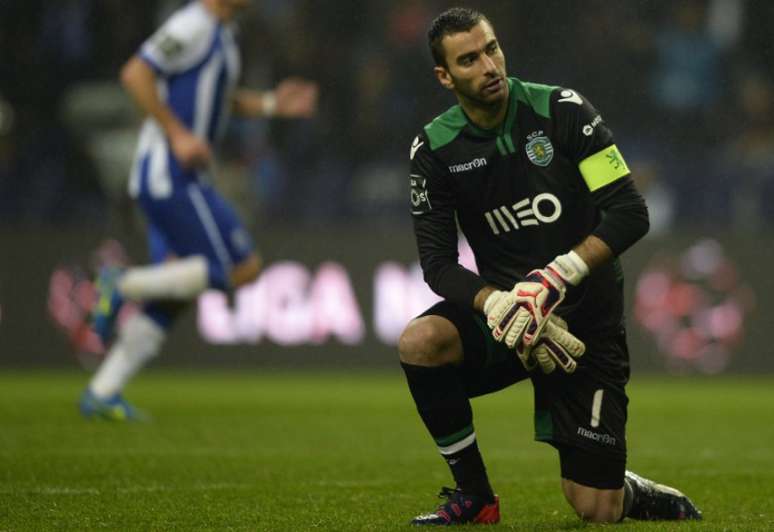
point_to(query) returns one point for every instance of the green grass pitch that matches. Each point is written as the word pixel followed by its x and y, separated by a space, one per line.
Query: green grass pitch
pixel 347 451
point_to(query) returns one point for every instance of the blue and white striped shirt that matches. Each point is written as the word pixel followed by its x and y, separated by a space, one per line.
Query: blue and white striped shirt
pixel 197 64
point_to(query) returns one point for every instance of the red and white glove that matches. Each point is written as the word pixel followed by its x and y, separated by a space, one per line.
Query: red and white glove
pixel 556 347
pixel 521 314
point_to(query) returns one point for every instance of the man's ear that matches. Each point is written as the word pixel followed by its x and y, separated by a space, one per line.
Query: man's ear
pixel 444 78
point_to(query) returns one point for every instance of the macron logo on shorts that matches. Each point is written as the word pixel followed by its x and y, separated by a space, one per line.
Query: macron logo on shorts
pixel 605 439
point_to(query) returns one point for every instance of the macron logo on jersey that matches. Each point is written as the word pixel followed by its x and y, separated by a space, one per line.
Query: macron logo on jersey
pixel 470 165
pixel 415 146
pixel 570 97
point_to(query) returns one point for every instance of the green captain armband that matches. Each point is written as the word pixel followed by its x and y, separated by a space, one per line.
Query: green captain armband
pixel 603 168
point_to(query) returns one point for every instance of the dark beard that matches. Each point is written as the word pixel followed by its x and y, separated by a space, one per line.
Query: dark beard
pixel 477 99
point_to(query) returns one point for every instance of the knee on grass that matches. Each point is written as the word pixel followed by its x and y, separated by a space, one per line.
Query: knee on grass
pixel 594 505
pixel 598 513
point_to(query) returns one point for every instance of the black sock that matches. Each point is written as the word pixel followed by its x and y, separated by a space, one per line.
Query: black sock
pixel 469 471
pixel 445 409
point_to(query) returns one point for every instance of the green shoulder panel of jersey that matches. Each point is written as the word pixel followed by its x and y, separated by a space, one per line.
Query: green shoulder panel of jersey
pixel 445 127
pixel 535 95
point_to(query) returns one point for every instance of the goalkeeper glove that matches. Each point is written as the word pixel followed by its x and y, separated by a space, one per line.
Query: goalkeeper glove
pixel 520 315
pixel 556 347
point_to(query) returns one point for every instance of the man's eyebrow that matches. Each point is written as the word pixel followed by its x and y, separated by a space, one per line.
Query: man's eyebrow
pixel 475 53
pixel 468 55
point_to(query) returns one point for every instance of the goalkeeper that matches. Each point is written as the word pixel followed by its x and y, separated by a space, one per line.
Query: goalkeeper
pixel 534 180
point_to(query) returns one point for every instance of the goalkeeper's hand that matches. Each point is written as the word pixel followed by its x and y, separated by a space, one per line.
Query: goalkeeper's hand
pixel 556 347
pixel 520 315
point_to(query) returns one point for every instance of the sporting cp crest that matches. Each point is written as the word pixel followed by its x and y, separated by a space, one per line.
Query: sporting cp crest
pixel 540 151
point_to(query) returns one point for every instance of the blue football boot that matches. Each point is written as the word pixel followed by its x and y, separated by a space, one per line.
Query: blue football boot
pixel 112 409
pixel 109 302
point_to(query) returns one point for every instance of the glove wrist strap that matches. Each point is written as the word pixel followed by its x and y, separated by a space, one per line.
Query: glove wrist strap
pixel 570 267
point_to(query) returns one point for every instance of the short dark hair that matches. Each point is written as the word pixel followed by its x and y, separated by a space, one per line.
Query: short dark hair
pixel 451 21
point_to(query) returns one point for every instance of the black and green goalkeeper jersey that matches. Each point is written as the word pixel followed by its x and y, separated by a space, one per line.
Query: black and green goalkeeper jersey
pixel 522 194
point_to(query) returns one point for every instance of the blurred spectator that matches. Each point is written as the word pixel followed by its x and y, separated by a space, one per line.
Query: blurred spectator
pixel 45 177
pixel 688 85
pixel 750 154
pixel 686 79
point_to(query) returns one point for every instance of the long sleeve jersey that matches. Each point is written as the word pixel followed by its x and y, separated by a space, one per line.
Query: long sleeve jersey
pixel 545 179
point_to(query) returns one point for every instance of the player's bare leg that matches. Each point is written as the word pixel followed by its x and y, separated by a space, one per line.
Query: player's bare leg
pixel 246 271
pixel 593 504
pixel 430 349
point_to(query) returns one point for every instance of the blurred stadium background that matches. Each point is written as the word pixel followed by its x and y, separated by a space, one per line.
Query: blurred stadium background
pixel 688 87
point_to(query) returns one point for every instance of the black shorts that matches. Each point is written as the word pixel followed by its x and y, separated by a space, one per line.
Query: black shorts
pixel 583 415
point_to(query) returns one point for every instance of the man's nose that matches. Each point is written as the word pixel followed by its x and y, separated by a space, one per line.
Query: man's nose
pixel 489 65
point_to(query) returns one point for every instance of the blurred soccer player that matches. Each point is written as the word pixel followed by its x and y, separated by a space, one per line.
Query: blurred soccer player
pixel 536 183
pixel 184 79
